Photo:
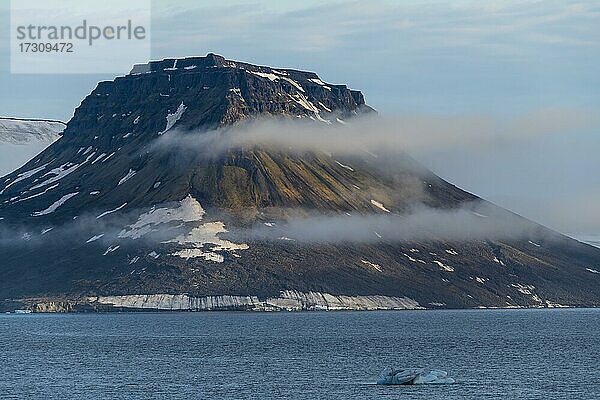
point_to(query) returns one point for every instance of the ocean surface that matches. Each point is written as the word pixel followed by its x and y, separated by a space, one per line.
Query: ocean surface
pixel 492 354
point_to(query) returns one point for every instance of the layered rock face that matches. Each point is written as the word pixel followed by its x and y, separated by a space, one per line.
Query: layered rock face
pixel 108 214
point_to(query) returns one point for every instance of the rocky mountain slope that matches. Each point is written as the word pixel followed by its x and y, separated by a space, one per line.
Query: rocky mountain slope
pixel 130 209
pixel 22 139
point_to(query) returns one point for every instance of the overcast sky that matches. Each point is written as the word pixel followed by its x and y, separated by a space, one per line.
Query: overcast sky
pixel 530 65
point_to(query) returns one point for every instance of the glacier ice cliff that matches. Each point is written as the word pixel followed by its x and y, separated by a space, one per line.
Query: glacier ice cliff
pixel 290 300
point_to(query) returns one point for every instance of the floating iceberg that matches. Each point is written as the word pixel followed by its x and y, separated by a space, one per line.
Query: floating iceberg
pixel 413 376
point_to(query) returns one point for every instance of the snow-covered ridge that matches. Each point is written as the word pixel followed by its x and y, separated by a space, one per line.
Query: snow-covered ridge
pixel 25 131
pixel 289 300
pixel 22 139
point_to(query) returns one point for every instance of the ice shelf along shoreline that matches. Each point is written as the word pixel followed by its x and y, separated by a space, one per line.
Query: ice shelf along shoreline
pixel 289 300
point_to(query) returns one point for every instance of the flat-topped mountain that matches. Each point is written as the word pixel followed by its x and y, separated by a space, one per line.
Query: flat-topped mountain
pixel 131 209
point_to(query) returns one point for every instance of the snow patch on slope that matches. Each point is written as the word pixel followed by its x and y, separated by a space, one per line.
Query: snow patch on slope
pixel 55 205
pixel 372 265
pixel 189 210
pixel 206 236
pixel 444 266
pixel 105 213
pixel 200 241
pixel 379 205
pixel 127 177
pixel 173 118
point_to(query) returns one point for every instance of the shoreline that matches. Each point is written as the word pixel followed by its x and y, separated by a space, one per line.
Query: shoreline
pixel 287 301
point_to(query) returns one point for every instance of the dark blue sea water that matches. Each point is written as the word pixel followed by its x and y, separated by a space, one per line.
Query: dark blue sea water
pixel 492 354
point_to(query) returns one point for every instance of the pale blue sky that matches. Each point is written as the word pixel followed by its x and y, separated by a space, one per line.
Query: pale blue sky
pixel 500 59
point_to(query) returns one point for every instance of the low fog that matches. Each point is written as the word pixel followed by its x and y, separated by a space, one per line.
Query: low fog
pixel 537 164
pixel 472 221
pixel 377 139
pixel 413 134
pixel 475 221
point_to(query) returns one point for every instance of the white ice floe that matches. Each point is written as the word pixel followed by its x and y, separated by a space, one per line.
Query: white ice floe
pixel 444 266
pixel 173 118
pixel 105 213
pixel 379 205
pixel 55 205
pixel 372 265
pixel 413 376
pixel 127 177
